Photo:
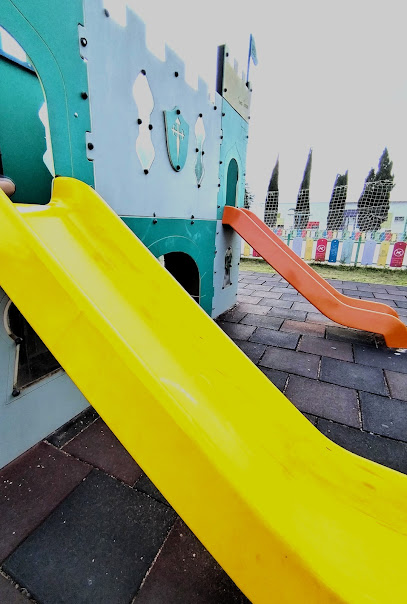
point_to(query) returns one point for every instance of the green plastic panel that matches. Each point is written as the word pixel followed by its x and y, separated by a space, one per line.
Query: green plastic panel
pixel 22 134
pixel 48 32
pixel 196 238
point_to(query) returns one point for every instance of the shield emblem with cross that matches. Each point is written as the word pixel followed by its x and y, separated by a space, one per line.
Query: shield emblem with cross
pixel 177 131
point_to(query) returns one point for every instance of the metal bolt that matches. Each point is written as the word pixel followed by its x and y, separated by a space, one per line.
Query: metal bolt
pixel 178 111
pixel 225 90
pixel 139 121
pixel 215 108
pixel 223 114
pixel 106 12
pixel 200 115
pixel 199 186
pixel 176 74
pixel 90 146
pixel 155 221
pixel 15 392
pixel 84 95
pixel 192 217
pixel 203 152
pixel 192 222
pixel 84 41
pixel 150 126
pixel 143 71
pixel 197 149
pixel 145 171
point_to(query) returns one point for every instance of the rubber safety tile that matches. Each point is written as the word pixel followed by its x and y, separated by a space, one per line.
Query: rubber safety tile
pixel 30 488
pixel 97 546
pixel 185 573
pixel 98 446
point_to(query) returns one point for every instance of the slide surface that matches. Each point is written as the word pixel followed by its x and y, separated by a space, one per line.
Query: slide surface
pixel 359 314
pixel 291 516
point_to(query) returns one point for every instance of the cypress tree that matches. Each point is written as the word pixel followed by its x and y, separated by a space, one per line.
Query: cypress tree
pixel 271 207
pixel 302 208
pixel 374 202
pixel 337 202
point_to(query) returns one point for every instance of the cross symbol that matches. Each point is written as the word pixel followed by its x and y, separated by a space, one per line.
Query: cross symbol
pixel 178 133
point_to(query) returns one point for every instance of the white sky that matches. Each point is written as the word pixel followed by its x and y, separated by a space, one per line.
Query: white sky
pixel 331 75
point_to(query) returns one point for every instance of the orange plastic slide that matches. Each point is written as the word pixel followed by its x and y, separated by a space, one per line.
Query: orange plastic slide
pixel 359 314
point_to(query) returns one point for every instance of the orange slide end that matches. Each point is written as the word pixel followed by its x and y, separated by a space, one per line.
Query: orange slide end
pixel 359 314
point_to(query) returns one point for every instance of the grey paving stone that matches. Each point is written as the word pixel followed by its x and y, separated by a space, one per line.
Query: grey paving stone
pixel 262 321
pixel 145 485
pixel 305 306
pixel 293 297
pixel 288 313
pixel 262 289
pixel 97 546
pixel 269 295
pixel 326 348
pixel 31 487
pixel 385 358
pixel 391 297
pixel 386 451
pixel 317 317
pixel 185 573
pixel 351 293
pixel 237 330
pixel 382 415
pixel 397 384
pixel 254 309
pixel 314 329
pixel 351 375
pixel 280 303
pixel 299 363
pixel 366 287
pixel 279 378
pixel 9 594
pixel 344 334
pixel 334 282
pixel 401 304
pixel 366 295
pixel 350 285
pixel 248 299
pixel 325 400
pixel 311 418
pixel 234 315
pixel 271 337
pixel 252 349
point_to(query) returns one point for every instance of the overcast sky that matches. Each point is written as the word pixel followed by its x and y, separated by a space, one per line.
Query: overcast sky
pixel 331 75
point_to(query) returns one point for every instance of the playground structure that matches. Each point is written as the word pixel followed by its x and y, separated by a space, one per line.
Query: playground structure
pixel 119 324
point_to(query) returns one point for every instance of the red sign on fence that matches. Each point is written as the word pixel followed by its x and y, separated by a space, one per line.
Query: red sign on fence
pixel 321 249
pixel 398 254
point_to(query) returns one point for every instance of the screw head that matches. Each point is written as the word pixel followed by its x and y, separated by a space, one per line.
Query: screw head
pixel 155 221
pixel 84 95
pixel 90 146
pixel 176 74
pixel 178 111
pixel 200 115
pixel 215 108
pixel 178 167
pixel 150 126
pixel 143 71
pixel 84 42
pixel 106 12
pixel 145 171
pixel 139 121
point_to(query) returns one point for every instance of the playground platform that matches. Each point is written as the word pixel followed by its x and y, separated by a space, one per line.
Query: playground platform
pixel 80 522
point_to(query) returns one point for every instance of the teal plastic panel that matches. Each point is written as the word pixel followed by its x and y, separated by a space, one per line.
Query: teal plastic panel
pixel 227 241
pixel 22 134
pixel 48 32
pixel 193 237
pixel 234 147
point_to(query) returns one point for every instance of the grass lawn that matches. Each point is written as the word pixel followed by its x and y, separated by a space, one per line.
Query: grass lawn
pixel 386 276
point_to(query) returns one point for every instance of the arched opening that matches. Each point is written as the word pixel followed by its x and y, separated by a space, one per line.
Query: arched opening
pixel 184 269
pixel 231 183
pixel 33 359
pixel 25 156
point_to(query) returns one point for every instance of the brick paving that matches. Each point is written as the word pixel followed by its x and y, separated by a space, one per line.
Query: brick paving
pixel 80 521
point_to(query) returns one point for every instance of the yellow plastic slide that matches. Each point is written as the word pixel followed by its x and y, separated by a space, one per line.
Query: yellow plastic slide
pixel 291 517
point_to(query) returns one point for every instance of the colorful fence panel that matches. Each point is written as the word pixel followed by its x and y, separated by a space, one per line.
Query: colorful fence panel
pixel 397 256
pixel 383 253
pixel 297 246
pixel 333 252
pixel 321 249
pixel 368 252
pixel 347 248
pixel 309 245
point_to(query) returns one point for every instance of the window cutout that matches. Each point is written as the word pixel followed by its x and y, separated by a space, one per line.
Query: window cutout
pixel 33 359
pixel 184 269
pixel 231 183
pixel 199 139
pixel 145 105
pixel 228 267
